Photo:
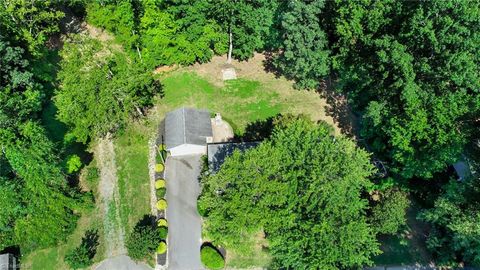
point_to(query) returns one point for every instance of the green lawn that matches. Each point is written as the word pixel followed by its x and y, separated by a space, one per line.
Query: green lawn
pixel 131 155
pixel 240 101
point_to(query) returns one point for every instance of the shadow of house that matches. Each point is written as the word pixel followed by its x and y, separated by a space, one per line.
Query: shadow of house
pixel 218 152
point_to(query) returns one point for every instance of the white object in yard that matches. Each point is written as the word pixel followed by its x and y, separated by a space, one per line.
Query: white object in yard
pixel 218 119
pixel 229 74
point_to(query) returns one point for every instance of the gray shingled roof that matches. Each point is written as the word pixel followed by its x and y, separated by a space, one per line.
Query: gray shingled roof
pixel 187 126
pixel 218 152
pixel 7 262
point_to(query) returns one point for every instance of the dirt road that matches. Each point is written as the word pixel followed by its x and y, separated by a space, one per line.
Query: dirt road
pixel 109 198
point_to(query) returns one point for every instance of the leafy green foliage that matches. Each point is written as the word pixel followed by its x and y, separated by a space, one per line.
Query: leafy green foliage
pixel 162 247
pixel 304 55
pixel 161 32
pixel 389 215
pixel 211 257
pixel 118 17
pixel 414 74
pixel 455 233
pixel 100 89
pixel 303 188
pixel 144 239
pixel 82 256
pixel 30 22
pixel 250 22
pixel 30 172
pixel 176 32
pixel 73 164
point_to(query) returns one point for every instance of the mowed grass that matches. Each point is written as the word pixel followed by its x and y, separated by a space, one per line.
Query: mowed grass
pixel 240 101
pixel 131 155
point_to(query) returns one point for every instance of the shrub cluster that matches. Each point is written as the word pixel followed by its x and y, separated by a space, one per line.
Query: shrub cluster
pixel 211 257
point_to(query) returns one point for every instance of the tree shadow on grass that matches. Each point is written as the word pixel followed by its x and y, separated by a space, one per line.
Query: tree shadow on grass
pixel 90 241
pixel 258 130
pixel 339 109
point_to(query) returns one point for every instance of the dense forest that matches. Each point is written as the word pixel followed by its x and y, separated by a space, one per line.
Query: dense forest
pixel 410 71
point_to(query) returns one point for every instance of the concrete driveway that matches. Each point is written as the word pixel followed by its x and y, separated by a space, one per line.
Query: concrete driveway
pixel 184 222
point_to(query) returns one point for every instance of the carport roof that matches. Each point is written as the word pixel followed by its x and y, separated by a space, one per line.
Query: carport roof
pixel 187 126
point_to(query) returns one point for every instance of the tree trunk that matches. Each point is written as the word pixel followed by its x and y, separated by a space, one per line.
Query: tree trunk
pixel 230 46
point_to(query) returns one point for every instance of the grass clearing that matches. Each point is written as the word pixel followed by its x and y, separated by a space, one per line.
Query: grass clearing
pixel 131 154
pixel 240 101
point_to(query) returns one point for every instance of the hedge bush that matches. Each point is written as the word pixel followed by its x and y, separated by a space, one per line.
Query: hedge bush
pixel 162 231
pixel 159 167
pixel 162 222
pixel 162 247
pixel 162 204
pixel 211 257
pixel 160 183
pixel 161 193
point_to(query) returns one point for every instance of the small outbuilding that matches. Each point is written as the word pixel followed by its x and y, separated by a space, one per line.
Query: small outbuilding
pixel 218 152
pixel 8 262
pixel 187 131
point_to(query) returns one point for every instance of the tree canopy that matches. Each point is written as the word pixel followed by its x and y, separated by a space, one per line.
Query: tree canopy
pixel 304 53
pixel 455 234
pixel 303 188
pixel 412 69
pixel 100 88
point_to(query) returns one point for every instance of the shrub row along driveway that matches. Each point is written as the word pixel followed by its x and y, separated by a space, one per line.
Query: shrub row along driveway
pixel 184 222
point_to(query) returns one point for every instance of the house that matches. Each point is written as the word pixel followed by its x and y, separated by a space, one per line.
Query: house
pixel 8 262
pixel 218 152
pixel 187 131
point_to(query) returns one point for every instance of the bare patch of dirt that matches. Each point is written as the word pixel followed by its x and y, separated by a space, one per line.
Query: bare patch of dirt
pixel 109 198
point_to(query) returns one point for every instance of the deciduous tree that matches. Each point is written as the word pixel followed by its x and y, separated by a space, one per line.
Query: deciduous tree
pixel 303 187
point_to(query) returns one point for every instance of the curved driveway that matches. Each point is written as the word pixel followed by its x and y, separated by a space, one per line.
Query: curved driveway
pixel 184 222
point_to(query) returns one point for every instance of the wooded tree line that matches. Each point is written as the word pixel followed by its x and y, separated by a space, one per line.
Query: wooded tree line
pixel 37 206
pixel 94 89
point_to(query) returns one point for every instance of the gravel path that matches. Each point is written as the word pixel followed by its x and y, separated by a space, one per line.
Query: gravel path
pixel 121 262
pixel 109 198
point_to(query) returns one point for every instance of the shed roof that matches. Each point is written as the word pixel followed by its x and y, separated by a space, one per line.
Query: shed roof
pixel 187 126
pixel 218 152
pixel 7 261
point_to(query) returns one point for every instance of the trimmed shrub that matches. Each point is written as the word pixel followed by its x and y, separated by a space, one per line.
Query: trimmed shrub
pixel 162 204
pixel 161 193
pixel 159 167
pixel 162 222
pixel 160 183
pixel 162 247
pixel 162 147
pixel 162 231
pixel 211 257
